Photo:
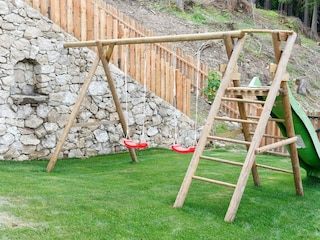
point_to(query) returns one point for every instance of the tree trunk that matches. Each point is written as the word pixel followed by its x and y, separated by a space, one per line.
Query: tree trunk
pixel 267 4
pixel 180 4
pixel 314 23
pixel 306 13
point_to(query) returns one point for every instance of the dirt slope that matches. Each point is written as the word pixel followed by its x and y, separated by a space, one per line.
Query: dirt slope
pixel 303 62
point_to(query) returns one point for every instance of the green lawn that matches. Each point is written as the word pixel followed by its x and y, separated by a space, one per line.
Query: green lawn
pixel 107 197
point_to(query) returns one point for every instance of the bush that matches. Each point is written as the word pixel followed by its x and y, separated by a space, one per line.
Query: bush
pixel 213 83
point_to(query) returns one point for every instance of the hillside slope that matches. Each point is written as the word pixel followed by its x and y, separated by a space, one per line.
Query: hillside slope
pixel 165 20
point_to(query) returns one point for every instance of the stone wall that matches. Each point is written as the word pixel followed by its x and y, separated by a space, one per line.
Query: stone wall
pixel 40 82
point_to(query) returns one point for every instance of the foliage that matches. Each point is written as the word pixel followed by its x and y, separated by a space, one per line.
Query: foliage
pixel 212 85
pixel 107 197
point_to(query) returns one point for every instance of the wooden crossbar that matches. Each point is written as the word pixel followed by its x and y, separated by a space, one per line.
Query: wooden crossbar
pixel 270 119
pixel 228 140
pixel 235 120
pixel 247 91
pixel 214 181
pixel 242 100
pixel 276 144
pixel 241 164
pixel 174 38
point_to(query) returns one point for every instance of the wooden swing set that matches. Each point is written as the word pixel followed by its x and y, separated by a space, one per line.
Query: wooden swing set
pixel 230 90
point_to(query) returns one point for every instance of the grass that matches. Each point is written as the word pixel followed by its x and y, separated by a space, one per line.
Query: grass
pixel 107 197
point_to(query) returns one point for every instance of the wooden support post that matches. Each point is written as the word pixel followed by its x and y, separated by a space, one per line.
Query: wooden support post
pixel 113 90
pixel 73 115
pixel 207 127
pixel 242 110
pixel 290 133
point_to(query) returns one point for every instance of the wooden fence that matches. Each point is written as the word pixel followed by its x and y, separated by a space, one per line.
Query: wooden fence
pixel 166 66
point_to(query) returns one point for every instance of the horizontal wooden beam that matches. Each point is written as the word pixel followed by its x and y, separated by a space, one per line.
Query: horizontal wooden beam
pixel 276 144
pixel 173 38
pixel 214 181
pixel 241 164
pixel 228 140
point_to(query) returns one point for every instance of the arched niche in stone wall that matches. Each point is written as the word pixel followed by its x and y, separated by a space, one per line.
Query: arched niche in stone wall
pixel 28 81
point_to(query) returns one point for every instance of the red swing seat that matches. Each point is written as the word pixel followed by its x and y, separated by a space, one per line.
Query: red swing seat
pixel 179 149
pixel 130 144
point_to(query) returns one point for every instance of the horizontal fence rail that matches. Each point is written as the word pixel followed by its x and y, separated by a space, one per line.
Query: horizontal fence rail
pixel 167 66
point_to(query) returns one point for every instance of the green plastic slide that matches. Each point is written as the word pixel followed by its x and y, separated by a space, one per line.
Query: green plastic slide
pixel 308 144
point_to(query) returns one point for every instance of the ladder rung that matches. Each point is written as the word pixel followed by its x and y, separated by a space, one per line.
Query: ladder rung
pixel 214 181
pixel 270 136
pixel 236 120
pixel 276 144
pixel 221 160
pixel 242 100
pixel 270 119
pixel 247 91
pixel 275 169
pixel 241 164
pixel 228 140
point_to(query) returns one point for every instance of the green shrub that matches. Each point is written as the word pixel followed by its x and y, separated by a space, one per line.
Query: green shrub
pixel 212 86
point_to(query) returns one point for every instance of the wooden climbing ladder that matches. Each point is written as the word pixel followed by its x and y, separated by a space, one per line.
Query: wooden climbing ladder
pixel 231 90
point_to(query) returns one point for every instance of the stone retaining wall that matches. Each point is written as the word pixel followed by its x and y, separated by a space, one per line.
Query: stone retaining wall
pixel 40 81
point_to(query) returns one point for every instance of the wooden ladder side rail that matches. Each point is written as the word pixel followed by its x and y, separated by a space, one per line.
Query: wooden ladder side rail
pixel 276 144
pixel 241 164
pixel 73 115
pixel 256 139
pixel 208 125
pixel 105 63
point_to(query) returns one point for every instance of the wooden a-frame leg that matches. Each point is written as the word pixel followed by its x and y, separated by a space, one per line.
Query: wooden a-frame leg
pixel 293 147
pixel 244 174
pixel 105 63
pixel 228 42
pixel 182 194
pixel 73 115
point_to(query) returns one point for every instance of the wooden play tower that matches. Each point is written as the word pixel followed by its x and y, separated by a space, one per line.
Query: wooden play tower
pixel 230 90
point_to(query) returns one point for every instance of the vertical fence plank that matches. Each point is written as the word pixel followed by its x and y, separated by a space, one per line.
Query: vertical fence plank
pixel 83 20
pixel 44 7
pixel 179 93
pixel 96 20
pixel 153 72
pixel 70 17
pixel 148 72
pixel 158 75
pixel 162 79
pixel 115 56
pixel 63 14
pixel 167 82
pixel 36 4
pixel 89 15
pixel 76 19
pixel 102 27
